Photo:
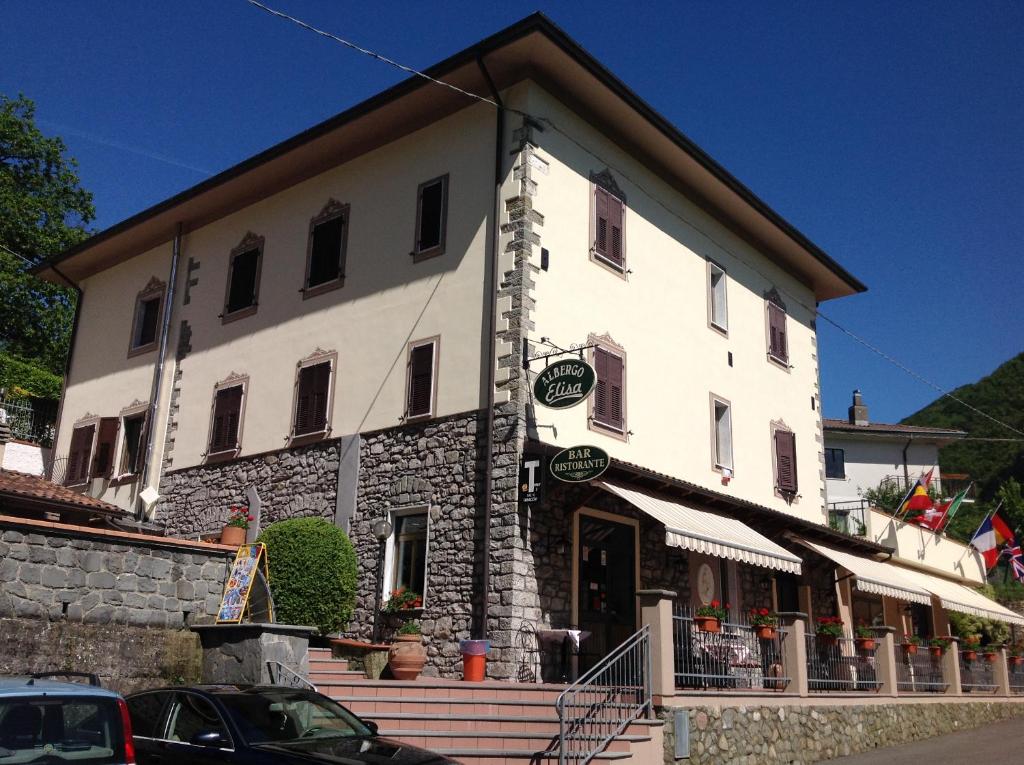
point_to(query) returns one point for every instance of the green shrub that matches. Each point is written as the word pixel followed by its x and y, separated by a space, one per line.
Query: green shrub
pixel 312 573
pixel 23 379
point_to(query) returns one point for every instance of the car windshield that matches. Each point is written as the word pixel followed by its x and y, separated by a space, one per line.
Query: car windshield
pixel 270 716
pixel 52 729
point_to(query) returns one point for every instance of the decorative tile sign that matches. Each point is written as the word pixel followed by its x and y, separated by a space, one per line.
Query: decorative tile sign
pixel 579 463
pixel 564 383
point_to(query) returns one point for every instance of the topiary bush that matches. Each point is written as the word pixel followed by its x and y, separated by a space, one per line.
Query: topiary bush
pixel 312 573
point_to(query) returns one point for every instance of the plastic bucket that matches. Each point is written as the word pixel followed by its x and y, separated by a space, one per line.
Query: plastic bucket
pixel 474 659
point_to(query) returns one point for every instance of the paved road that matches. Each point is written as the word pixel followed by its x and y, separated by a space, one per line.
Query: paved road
pixel 999 743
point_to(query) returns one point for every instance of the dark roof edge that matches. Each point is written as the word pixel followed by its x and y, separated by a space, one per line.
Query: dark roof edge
pixel 534 22
pixel 892 429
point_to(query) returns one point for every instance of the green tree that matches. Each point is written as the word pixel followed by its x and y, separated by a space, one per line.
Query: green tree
pixel 43 211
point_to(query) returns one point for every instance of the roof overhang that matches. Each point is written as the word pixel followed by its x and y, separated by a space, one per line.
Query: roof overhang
pixel 937 437
pixel 533 48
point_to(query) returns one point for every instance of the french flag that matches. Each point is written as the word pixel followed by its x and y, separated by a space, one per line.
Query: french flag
pixel 991 534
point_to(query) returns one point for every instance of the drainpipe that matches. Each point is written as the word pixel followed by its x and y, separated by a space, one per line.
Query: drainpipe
pixel 906 467
pixel 67 366
pixel 158 371
pixel 492 298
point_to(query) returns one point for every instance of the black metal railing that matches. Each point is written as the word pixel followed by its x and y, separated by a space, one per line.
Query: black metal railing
pixel 849 517
pixel 32 420
pixel 977 674
pixel 841 664
pixel 1016 669
pixel 919 670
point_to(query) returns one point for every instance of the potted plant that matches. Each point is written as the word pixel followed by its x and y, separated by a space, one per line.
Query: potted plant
pixel 402 600
pixel 937 646
pixel 829 629
pixel 234 530
pixel 991 653
pixel 910 644
pixel 709 618
pixel 865 638
pixel 969 652
pixel 407 655
pixel 1016 654
pixel 764 623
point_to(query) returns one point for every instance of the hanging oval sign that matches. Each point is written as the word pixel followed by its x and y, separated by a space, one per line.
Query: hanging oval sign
pixel 564 383
pixel 579 463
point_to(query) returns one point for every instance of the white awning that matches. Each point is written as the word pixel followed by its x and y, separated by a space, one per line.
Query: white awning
pixel 875 576
pixel 707 533
pixel 957 597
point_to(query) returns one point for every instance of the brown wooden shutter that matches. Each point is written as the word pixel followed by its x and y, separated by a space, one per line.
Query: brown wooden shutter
pixel 615 241
pixel 778 343
pixel 785 457
pixel 78 455
pixel 227 410
pixel 103 462
pixel 421 379
pixel 135 465
pixel 311 407
pixel 601 225
pixel 609 406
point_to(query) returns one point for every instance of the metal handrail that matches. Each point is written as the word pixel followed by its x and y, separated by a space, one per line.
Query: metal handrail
pixel 601 704
pixel 281 674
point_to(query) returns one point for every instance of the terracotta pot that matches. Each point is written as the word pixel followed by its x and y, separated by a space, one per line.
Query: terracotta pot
pixel 866 644
pixel 990 657
pixel 909 648
pixel 232 535
pixel 707 623
pixel 935 650
pixel 407 656
pixel 1016 661
pixel 765 631
pixel 969 654
pixel 828 639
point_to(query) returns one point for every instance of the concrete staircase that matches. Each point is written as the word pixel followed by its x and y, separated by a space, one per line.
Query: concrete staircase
pixel 488 723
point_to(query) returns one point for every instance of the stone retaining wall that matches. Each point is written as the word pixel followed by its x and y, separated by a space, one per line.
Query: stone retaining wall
pixel 801 734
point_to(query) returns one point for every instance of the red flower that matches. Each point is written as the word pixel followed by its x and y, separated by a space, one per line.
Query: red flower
pixel 763 612
pixel 715 604
pixel 250 518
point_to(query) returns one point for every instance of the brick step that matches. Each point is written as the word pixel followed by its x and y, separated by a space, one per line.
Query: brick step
pixel 444 743
pixel 457 705
pixel 359 686
pixel 327 665
pixel 333 676
pixel 514 756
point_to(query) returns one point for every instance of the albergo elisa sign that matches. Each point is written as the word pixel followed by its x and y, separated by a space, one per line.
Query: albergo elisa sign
pixel 579 463
pixel 564 383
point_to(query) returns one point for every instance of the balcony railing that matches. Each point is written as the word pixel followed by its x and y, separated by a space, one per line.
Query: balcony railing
pixel 32 420
pixel 849 517
pixel 919 670
pixel 1016 671
pixel 840 664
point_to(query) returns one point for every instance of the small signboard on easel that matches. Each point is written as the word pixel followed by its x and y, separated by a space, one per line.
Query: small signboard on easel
pixel 250 565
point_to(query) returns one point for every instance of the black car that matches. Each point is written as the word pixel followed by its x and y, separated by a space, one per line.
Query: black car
pixel 258 725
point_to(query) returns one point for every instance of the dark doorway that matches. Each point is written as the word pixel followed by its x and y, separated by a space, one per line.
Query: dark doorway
pixel 607 587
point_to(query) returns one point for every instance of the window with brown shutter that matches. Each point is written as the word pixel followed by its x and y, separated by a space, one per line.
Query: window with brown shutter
pixel 133 446
pixel 420 394
pixel 609 407
pixel 79 455
pixel 312 399
pixel 103 462
pixel 326 249
pixel 431 218
pixel 227 415
pixel 243 287
pixel 785 461
pixel 778 343
pixel 609 242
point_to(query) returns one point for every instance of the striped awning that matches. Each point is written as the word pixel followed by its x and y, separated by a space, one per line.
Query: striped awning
pixel 957 597
pixel 704 532
pixel 874 576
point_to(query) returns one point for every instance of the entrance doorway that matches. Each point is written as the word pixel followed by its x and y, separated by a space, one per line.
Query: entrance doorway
pixel 606 593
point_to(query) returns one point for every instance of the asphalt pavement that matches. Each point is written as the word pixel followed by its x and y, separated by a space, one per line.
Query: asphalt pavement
pixel 1000 744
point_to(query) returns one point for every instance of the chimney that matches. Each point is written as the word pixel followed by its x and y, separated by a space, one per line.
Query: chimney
pixel 858 412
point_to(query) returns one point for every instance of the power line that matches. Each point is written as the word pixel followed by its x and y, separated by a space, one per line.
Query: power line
pixel 16 254
pixel 814 310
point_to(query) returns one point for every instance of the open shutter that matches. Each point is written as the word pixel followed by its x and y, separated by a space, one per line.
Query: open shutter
pixel 135 465
pixel 778 343
pixel 601 224
pixel 601 393
pixel 609 406
pixel 103 462
pixel 421 380
pixel 78 455
pixel 615 240
pixel 785 457
pixel 226 412
pixel 311 406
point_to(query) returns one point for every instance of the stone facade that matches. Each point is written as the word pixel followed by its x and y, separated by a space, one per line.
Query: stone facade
pixel 797 734
pixel 291 483
pixel 239 653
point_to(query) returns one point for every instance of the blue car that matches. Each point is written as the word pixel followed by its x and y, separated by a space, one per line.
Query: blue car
pixel 45 721
pixel 258 725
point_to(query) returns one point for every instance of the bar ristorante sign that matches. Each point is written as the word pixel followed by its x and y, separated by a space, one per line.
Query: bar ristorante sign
pixel 564 383
pixel 579 463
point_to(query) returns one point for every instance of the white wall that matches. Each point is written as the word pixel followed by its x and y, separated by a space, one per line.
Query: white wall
pixel 923 548
pixel 870 460
pixel 24 457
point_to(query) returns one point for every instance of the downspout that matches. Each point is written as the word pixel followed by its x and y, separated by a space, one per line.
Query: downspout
pixel 158 371
pixel 906 467
pixel 492 347
pixel 67 366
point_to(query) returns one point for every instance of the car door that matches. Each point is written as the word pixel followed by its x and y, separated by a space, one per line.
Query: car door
pixel 147 711
pixel 191 718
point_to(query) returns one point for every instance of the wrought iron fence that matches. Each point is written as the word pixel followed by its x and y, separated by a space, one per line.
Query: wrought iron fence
pixel 32 420
pixel 841 664
pixel 977 675
pixel 918 670
pixel 1016 676
pixel 601 704
pixel 736 658
pixel 849 517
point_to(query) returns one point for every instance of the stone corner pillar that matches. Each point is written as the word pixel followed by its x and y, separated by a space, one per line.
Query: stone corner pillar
pixel 656 613
pixel 885 661
pixel 951 667
pixel 794 650
pixel 239 653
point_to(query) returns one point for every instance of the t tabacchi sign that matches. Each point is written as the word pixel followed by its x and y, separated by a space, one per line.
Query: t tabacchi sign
pixel 579 463
pixel 564 383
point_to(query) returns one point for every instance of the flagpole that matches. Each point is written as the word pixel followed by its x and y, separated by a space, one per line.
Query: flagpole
pixel 975 534
pixel 949 515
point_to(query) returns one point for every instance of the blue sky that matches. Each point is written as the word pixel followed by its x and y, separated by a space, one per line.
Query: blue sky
pixel 890 134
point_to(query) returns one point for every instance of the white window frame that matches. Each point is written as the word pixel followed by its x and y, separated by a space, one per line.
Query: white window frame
pixel 719 322
pixel 391 549
pixel 718 402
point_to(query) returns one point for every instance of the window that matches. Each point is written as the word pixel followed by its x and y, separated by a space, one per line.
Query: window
pixel 421 387
pixel 778 341
pixel 431 217
pixel 312 398
pixel 79 455
pixel 133 447
pixel 609 400
pixel 609 239
pixel 243 278
pixel 191 715
pixel 146 711
pixel 721 426
pixel 785 462
pixel 835 463
pixel 103 462
pixel 325 257
pixel 38 725
pixel 717 309
pixel 225 427
pixel 145 324
pixel 410 552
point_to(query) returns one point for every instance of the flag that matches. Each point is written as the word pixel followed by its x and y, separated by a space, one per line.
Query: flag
pixel 940 515
pixel 1016 563
pixel 992 533
pixel 917 499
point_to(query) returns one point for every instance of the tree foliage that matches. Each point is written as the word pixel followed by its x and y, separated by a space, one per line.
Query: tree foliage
pixel 43 211
pixel 312 573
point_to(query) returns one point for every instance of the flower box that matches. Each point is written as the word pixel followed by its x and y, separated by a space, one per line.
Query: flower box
pixel 707 623
pixel 866 643
pixel 909 648
pixel 764 631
